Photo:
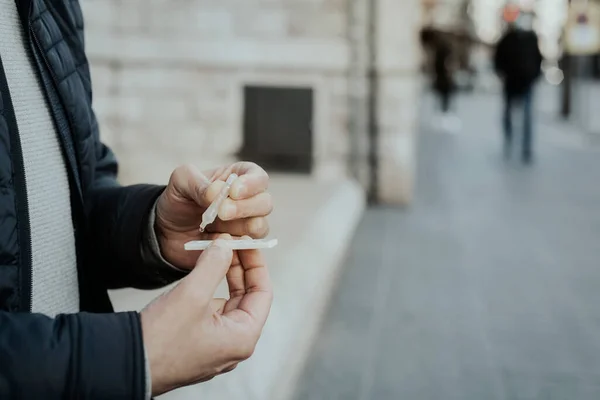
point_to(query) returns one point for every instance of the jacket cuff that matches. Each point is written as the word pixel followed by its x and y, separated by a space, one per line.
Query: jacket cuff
pixel 151 251
pixel 148 374
pixel 111 359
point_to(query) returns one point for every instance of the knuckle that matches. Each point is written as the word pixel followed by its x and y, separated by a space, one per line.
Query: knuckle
pixel 247 349
pixel 249 164
pixel 269 206
pixel 185 169
pixel 271 296
pixel 222 254
pixel 258 227
pixel 231 368
pixel 193 294
pixel 211 192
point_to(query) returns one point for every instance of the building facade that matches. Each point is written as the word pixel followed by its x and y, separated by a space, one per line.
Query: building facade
pixel 320 87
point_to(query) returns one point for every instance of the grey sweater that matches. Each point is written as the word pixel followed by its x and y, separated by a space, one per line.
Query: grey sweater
pixel 54 265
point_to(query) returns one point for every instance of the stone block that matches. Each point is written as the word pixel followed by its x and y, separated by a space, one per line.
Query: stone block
pixel 105 106
pixel 402 86
pixel 154 109
pixel 398 25
pixel 109 133
pixel 262 22
pixel 398 100
pixel 132 16
pixel 99 14
pixel 307 23
pixel 103 78
pixel 358 88
pixel 189 50
pixel 171 16
pixel 396 167
pixel 158 80
pixel 215 22
pixel 395 184
pixel 184 18
pixel 396 116
pixel 397 146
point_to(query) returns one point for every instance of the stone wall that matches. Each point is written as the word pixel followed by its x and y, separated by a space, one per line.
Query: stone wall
pixel 169 77
pixel 398 58
pixel 358 87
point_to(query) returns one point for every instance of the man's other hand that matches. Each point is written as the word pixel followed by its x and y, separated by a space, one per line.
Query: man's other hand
pixel 179 209
pixel 191 337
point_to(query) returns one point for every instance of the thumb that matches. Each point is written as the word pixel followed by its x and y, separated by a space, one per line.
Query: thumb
pixel 211 269
pixel 190 183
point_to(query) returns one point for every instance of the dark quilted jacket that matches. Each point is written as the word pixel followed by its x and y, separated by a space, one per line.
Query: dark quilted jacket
pixel 96 353
pixel 518 60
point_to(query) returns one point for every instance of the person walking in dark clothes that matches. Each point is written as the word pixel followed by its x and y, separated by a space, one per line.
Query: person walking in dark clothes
pixel 443 83
pixel 518 62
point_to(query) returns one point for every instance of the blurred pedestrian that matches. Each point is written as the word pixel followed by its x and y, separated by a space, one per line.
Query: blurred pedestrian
pixel 444 85
pixel 69 232
pixel 518 63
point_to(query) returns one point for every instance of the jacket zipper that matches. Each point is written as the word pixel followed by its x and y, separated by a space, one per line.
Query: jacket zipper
pixel 22 203
pixel 38 47
pixel 71 157
pixel 54 102
pixel 70 151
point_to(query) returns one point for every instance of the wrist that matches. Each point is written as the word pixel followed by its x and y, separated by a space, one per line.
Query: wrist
pixel 154 248
pixel 156 378
pixel 157 223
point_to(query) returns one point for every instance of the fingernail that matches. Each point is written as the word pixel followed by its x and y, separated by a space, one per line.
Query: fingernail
pixel 239 191
pixel 220 244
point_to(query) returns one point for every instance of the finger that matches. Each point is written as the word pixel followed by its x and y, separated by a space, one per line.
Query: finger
pixel 257 206
pixel 259 293
pixel 230 368
pixel 235 277
pixel 211 268
pixel 191 183
pixel 212 191
pixel 232 304
pixel 252 178
pixel 249 183
pixel 256 228
pixel 236 281
pixel 218 305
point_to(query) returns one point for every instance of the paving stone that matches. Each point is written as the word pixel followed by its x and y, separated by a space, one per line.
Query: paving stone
pixel 488 287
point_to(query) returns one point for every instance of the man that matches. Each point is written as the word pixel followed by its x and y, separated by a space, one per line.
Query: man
pixel 69 232
pixel 443 81
pixel 518 62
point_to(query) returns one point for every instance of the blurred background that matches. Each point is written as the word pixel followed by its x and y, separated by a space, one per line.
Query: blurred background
pixel 419 257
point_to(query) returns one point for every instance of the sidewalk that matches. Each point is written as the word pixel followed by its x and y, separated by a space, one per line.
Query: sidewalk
pixel 487 288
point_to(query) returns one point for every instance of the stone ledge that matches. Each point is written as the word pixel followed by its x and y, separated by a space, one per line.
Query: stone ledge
pixel 314 222
pixel 308 54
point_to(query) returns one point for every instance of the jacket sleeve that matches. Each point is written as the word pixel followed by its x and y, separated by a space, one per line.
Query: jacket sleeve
pixel 538 54
pixel 117 224
pixel 116 217
pixel 74 356
pixel 499 56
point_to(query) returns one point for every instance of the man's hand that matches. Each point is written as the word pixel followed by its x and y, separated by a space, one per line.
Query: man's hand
pixel 179 209
pixel 189 336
